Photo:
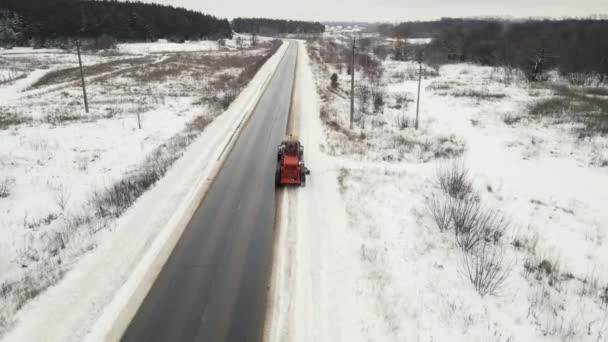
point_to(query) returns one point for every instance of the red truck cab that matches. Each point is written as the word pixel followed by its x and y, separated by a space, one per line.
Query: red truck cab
pixel 290 168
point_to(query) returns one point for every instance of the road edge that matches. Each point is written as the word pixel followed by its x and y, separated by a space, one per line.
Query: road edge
pixel 280 222
pixel 113 326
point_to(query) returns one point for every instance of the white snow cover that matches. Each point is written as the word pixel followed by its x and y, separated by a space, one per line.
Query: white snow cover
pixel 162 45
pixel 358 257
pixel 103 281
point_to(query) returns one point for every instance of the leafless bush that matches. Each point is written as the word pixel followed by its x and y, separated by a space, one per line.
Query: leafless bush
pixel 61 194
pixel 228 97
pixel 334 81
pixel 454 180
pixel 597 91
pixel 378 99
pixel 508 75
pixel 364 94
pixel 441 210
pixel 443 86
pixel 342 179
pixel 17 292
pixel 581 78
pixel 571 105
pixel 11 75
pixel 199 123
pixel 8 119
pixel 474 225
pixel 403 122
pixel 478 94
pixel 558 326
pixel 224 89
pixel 486 268
pixel 103 42
pixel 7 183
pixel 117 198
pixel 544 268
pixel 511 119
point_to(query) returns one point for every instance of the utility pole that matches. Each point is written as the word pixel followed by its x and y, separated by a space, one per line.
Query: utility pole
pixel 84 88
pixel 352 86
pixel 418 100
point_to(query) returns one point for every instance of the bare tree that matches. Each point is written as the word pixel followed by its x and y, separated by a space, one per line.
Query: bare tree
pixel 61 194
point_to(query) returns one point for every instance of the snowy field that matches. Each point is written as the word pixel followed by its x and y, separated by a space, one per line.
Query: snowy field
pixel 391 254
pixel 66 175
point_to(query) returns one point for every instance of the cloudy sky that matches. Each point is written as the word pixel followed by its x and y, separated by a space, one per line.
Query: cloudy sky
pixel 391 10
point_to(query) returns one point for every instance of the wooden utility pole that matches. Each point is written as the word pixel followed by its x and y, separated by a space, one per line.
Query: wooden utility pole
pixel 352 86
pixel 418 100
pixel 84 88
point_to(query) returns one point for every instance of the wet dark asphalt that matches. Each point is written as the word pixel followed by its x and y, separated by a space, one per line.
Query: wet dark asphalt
pixel 214 285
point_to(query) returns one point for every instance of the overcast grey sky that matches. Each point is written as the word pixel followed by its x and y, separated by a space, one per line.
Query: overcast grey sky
pixel 391 10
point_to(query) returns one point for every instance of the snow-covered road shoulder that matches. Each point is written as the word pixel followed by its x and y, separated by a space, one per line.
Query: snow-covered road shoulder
pixel 96 300
pixel 307 237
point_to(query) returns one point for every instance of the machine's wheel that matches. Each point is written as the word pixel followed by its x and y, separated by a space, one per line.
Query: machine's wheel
pixel 303 179
pixel 277 176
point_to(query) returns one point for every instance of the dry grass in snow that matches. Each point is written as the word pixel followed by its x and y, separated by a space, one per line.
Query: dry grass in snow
pixel 66 175
pixel 488 223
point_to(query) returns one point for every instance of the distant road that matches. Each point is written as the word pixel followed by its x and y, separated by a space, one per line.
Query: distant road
pixel 214 285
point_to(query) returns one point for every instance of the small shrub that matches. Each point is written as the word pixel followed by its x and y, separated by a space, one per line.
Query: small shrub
pixel 486 269
pixel 61 194
pixel 479 95
pixel 378 100
pixel 402 122
pixel 228 97
pixel 454 180
pixel 440 209
pixel 543 268
pixel 8 119
pixel 474 225
pixel 199 123
pixel 342 179
pixel 7 184
pixel 511 119
pixel 334 80
pixel 571 105
pixel 590 286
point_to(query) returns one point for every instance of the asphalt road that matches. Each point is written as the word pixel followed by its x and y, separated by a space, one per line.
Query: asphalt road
pixel 214 285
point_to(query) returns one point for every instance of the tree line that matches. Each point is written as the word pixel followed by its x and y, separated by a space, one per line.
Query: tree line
pixel 265 26
pixel 577 48
pixel 38 22
pixel 41 23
